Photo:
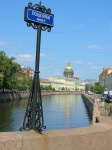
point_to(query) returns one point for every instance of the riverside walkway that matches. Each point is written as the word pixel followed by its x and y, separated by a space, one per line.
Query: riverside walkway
pixel 105 115
pixel 99 110
pixel 107 119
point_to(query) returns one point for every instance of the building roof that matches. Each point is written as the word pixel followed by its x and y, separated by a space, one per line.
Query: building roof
pixel 68 69
pixel 105 72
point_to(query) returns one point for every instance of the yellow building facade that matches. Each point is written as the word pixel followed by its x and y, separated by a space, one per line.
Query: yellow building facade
pixel 105 78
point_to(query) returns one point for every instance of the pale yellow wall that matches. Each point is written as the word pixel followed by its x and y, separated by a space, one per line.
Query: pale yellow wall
pixel 104 77
pixel 58 84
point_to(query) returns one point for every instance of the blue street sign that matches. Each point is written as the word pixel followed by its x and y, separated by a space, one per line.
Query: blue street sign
pixel 32 15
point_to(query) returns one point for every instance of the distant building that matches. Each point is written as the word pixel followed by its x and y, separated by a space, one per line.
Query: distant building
pixel 105 78
pixel 67 82
pixel 90 80
pixel 26 72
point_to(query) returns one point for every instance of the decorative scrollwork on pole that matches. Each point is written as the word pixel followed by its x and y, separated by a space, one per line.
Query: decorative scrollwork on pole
pixel 34 26
pixel 42 9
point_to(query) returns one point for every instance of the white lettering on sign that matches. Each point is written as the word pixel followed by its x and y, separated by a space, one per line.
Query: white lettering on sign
pixel 40 20
pixel 46 16
pixel 38 14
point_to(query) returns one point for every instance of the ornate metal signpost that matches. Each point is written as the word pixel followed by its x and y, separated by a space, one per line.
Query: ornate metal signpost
pixel 39 18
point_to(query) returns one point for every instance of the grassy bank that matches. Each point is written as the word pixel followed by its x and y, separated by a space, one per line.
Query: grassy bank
pixel 105 105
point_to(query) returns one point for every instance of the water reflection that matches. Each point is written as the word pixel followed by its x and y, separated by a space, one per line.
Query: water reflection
pixel 65 111
pixel 11 115
pixel 60 111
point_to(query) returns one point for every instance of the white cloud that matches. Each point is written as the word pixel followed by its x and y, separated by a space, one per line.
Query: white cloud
pixel 25 57
pixel 29 57
pixel 9 45
pixel 78 62
pixel 3 43
pixel 93 46
pixel 90 64
pixel 94 68
pixel 45 56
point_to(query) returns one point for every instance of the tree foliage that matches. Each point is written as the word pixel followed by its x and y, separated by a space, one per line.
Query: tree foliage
pixel 25 83
pixel 8 69
pixel 9 78
pixel 47 88
pixel 87 87
pixel 97 88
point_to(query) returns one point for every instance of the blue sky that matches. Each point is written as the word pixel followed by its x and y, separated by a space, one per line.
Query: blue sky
pixel 82 35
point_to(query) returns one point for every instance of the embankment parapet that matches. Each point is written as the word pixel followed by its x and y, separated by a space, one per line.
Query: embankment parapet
pixel 96 137
pixel 93 108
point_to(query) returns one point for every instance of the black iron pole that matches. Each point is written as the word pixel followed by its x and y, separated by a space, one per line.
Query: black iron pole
pixel 36 77
pixel 34 113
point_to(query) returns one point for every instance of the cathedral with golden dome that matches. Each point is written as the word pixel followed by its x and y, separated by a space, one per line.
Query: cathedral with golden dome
pixel 67 82
pixel 68 72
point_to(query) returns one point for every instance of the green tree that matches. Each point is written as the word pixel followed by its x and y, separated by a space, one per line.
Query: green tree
pixel 63 88
pixel 97 88
pixel 87 87
pixel 47 88
pixel 25 83
pixel 8 68
pixel 50 87
pixel 91 88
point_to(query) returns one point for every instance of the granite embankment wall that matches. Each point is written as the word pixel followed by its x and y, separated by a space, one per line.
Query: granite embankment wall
pixel 23 95
pixel 93 107
pixel 89 102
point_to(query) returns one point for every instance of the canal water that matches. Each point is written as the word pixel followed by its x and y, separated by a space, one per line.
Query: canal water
pixel 60 112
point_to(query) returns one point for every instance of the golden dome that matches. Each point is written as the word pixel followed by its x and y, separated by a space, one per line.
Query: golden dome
pixel 68 67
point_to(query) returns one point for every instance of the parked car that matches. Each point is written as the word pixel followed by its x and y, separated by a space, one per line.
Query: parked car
pixel 110 99
pixel 104 97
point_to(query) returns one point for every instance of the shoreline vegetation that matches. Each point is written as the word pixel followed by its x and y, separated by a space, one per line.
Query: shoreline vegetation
pixel 25 94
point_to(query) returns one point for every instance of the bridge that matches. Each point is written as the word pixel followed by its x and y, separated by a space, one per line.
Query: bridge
pixel 97 136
